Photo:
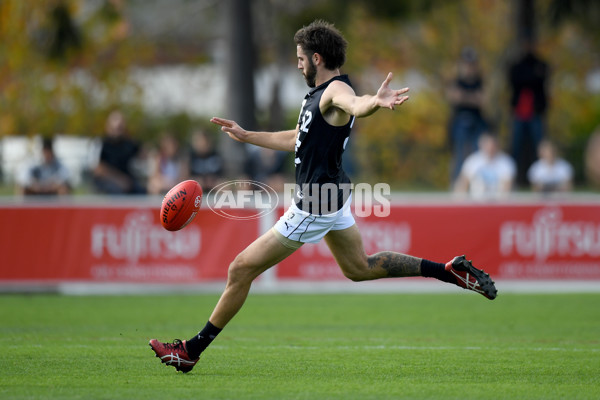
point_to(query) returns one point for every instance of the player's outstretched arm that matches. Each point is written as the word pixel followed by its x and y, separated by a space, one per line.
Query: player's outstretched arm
pixel 282 140
pixel 343 97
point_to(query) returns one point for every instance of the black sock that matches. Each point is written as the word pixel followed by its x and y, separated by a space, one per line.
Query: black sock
pixel 200 342
pixel 430 269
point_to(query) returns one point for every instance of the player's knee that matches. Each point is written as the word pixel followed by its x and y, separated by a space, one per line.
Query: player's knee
pixel 355 271
pixel 240 270
pixel 354 276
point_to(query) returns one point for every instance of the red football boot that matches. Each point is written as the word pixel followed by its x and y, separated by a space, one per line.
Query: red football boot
pixel 471 278
pixel 173 354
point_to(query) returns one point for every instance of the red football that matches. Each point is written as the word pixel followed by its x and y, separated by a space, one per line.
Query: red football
pixel 180 205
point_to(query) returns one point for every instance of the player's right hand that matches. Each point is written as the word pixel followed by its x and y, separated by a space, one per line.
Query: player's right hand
pixel 232 128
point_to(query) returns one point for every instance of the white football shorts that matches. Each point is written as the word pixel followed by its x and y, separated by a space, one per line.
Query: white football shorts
pixel 296 226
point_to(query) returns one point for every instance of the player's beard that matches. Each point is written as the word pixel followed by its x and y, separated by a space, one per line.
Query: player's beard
pixel 310 74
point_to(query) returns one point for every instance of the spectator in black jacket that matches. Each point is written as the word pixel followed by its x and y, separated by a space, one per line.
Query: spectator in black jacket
pixel 466 97
pixel 113 174
pixel 528 78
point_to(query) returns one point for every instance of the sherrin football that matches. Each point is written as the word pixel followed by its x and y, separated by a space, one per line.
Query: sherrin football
pixel 180 205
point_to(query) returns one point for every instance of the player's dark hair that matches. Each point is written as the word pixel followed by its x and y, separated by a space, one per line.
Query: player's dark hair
pixel 323 38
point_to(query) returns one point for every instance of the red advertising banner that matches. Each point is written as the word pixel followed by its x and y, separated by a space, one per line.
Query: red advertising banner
pixel 116 244
pixel 123 243
pixel 520 241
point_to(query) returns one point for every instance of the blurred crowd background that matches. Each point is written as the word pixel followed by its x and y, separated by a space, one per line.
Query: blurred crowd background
pixel 114 96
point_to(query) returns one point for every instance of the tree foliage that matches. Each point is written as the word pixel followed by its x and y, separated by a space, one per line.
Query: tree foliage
pixel 64 64
pixel 61 74
pixel 421 43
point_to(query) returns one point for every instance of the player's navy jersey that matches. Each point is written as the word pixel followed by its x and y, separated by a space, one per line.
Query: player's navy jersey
pixel 322 184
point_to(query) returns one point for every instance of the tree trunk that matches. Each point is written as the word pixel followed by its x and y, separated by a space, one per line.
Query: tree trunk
pixel 525 18
pixel 240 101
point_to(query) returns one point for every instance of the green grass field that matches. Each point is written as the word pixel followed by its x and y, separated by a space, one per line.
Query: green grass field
pixel 409 346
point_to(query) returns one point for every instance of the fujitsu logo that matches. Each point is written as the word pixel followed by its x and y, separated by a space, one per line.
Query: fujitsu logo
pixel 548 235
pixel 140 238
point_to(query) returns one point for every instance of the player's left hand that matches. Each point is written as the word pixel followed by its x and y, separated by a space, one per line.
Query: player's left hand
pixel 390 98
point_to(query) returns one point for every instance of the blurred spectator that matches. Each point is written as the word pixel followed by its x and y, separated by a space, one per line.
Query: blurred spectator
pixel 48 177
pixel 168 167
pixel 267 166
pixel 113 174
pixel 466 97
pixel 528 78
pixel 592 158
pixel 488 172
pixel 550 173
pixel 205 164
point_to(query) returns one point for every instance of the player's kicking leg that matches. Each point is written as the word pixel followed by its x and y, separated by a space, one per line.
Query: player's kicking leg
pixel 259 256
pixel 347 248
